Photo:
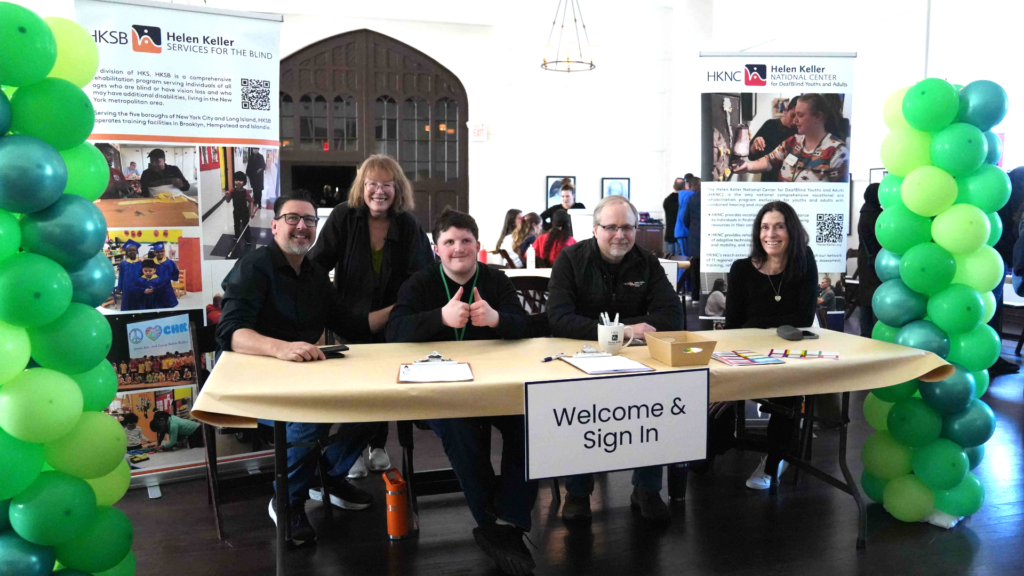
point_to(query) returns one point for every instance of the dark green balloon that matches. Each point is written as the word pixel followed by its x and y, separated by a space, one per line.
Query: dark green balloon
pixel 927 268
pixel 913 423
pixel 983 104
pixel 964 500
pixel 5 521
pixel 872 486
pixel 5 114
pixel 975 455
pixel 69 232
pixel 941 465
pixel 28 49
pixel 995 148
pixel 959 149
pixel 73 343
pixel 957 309
pixel 975 350
pixel 55 111
pixel 19 557
pixel 931 104
pixel 887 265
pixel 93 281
pixel 103 544
pixel 20 466
pixel 897 392
pixel 951 395
pixel 988 188
pixel 896 305
pixel 34 290
pixel 924 335
pixel 971 427
pixel 884 332
pixel 889 193
pixel 32 174
pixel 55 508
pixel 898 229
pixel 98 385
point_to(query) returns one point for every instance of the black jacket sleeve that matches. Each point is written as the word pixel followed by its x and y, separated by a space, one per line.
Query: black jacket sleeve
pixel 410 320
pixel 245 289
pixel 422 254
pixel 737 299
pixel 664 311
pixel 763 133
pixel 562 290
pixel 512 322
pixel 330 245
pixel 177 172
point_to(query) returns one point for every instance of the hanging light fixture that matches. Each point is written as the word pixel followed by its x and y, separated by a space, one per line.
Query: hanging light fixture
pixel 569 53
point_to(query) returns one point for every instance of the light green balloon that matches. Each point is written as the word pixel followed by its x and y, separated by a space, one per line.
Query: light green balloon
pixel 78 58
pixel 20 466
pixel 125 568
pixel 55 111
pixel 884 457
pixel 88 172
pixel 93 448
pixel 908 499
pixel 988 188
pixel 111 488
pixel 964 500
pixel 34 290
pixel 889 191
pixel 931 104
pixel 15 351
pixel 905 149
pixel 27 47
pixel 981 380
pixel 884 332
pixel 928 191
pixel 996 224
pixel 927 268
pixel 975 350
pixel 892 112
pixel 10 235
pixel 104 543
pixel 73 343
pixel 990 306
pixel 876 411
pixel 39 405
pixel 898 229
pixel 982 269
pixel 961 229
pixel 98 386
pixel 957 309
pixel 54 509
pixel 896 392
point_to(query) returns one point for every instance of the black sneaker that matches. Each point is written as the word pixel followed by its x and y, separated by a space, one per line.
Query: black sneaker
pixel 650 504
pixel 576 508
pixel 301 531
pixel 343 495
pixel 504 544
pixel 1002 368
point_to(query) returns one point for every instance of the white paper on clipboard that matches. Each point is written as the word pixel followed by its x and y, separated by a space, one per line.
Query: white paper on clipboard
pixel 606 365
pixel 424 372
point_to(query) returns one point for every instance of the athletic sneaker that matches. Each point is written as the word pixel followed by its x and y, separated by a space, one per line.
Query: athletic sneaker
pixel 761 481
pixel 358 470
pixel 576 508
pixel 301 531
pixel 504 544
pixel 650 505
pixel 344 495
pixel 379 460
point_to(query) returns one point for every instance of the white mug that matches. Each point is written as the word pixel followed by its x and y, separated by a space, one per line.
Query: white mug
pixel 612 338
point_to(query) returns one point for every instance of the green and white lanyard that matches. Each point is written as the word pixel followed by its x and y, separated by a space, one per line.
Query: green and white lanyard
pixel 472 292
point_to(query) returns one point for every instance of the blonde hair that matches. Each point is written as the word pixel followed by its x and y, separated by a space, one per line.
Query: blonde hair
pixel 524 229
pixel 382 163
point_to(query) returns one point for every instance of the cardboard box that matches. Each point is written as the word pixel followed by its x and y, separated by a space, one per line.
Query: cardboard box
pixel 669 348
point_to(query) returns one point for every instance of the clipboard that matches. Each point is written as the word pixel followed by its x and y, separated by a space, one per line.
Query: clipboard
pixel 445 372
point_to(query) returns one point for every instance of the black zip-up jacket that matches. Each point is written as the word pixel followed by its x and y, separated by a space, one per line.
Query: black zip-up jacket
pixel 583 285
pixel 344 246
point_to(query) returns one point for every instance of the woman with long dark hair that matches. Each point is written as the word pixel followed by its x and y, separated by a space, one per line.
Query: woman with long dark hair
pixel 505 242
pixel 775 286
pixel 550 244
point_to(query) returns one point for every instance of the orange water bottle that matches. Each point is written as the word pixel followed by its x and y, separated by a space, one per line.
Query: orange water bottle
pixel 398 504
pixel 482 256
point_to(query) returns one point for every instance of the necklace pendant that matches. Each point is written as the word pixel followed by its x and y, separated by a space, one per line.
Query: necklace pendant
pixel 778 298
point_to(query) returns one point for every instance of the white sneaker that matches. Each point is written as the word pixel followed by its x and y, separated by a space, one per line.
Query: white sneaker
pixel 358 470
pixel 761 481
pixel 379 460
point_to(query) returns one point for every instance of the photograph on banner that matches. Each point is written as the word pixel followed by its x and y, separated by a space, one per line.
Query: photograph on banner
pixel 553 189
pixel 159 427
pixel 154 350
pixel 215 271
pixel 155 269
pixel 239 186
pixel 150 186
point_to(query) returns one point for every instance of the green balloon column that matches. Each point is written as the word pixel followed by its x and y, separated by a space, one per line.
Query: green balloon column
pixel 938 268
pixel 62 464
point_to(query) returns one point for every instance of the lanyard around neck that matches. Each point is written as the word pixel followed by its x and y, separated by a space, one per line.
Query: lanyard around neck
pixel 459 334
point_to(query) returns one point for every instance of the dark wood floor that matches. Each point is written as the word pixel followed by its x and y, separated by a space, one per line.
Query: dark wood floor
pixel 722 528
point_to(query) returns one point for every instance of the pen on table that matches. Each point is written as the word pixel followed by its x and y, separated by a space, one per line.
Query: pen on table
pixel 556 356
pixel 616 323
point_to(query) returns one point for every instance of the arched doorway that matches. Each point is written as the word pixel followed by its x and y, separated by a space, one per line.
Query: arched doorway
pixel 361 93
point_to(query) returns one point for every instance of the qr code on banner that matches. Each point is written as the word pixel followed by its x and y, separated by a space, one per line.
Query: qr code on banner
pixel 255 94
pixel 830 228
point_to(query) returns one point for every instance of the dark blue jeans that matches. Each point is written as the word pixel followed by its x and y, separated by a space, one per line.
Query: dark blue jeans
pixel 648 478
pixel 468 447
pixel 340 457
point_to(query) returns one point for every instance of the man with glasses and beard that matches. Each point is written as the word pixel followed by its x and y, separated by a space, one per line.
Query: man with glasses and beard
pixel 277 303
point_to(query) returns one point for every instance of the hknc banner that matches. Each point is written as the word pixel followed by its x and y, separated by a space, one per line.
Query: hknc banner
pixel 159 336
pixel 774 127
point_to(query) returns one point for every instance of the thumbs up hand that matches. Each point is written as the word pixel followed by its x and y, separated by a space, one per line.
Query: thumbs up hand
pixel 481 313
pixel 455 313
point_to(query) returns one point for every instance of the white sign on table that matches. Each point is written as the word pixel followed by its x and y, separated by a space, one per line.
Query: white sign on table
pixel 616 422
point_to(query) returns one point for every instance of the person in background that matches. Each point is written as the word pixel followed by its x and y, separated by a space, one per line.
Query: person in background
pixel 569 202
pixel 241 203
pixel 682 233
pixel 149 287
pixel 136 439
pixel 117 186
pixel 671 207
pixel 374 244
pixel 1009 214
pixel 827 298
pixel 869 247
pixel 550 244
pixel 526 233
pixel 160 173
pixel 165 424
pixel 610 273
pixel 255 169
pixel 773 132
pixel 132 173
pixel 167 269
pixel 774 286
pixel 213 310
pixel 506 241
pixel 837 289
pixel 692 222
pixel 129 270
pixel 459 299
pixel 716 300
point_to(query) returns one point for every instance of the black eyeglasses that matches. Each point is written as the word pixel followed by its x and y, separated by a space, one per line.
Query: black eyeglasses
pixel 612 229
pixel 293 219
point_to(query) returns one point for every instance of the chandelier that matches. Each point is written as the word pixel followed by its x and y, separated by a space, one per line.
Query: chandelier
pixel 568 54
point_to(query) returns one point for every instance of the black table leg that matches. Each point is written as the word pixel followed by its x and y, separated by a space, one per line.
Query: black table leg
pixel 862 517
pixel 281 473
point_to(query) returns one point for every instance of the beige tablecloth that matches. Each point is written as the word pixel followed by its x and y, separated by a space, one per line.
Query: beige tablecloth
pixel 363 387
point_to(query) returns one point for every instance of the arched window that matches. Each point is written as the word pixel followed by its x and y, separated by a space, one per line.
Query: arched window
pixel 345 123
pixel 313 122
pixel 287 121
pixel 415 153
pixel 386 129
pixel 446 148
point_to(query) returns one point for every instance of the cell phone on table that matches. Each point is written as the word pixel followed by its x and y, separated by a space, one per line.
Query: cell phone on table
pixel 335 351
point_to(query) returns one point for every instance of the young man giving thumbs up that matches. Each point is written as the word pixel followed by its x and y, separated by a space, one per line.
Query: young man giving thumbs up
pixel 461 300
